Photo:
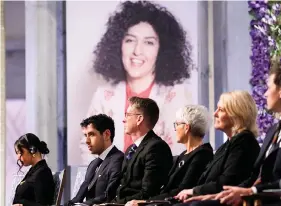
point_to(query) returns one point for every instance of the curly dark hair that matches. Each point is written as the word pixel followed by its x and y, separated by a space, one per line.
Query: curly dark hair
pixel 173 62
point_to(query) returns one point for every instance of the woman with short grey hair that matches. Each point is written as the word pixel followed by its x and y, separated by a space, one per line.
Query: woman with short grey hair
pixel 191 125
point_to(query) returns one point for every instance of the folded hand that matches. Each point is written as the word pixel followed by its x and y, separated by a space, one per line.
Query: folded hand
pixel 183 195
pixel 201 198
pixel 134 202
pixel 232 195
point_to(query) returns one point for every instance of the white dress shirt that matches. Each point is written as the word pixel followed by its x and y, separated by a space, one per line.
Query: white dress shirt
pixel 103 155
pixel 139 140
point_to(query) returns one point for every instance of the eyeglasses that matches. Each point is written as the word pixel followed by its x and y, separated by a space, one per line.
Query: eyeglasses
pixel 130 114
pixel 177 124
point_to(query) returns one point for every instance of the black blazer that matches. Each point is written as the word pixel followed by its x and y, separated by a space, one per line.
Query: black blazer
pixel 147 171
pixel 106 182
pixel 186 170
pixel 37 187
pixel 270 166
pixel 232 164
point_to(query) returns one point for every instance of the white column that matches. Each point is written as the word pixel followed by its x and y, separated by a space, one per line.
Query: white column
pixel 211 69
pixel 2 108
pixel 41 73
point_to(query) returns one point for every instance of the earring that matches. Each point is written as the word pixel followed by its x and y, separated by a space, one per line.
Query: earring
pixel 33 155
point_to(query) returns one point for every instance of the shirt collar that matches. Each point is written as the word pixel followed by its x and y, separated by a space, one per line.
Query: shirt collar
pixel 105 152
pixel 139 140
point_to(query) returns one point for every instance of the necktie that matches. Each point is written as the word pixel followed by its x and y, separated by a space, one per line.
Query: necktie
pixel 274 143
pixel 131 151
pixel 97 164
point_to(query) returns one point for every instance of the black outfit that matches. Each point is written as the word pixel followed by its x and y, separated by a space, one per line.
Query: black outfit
pixel 100 183
pixel 232 164
pixel 37 187
pixel 269 169
pixel 146 171
pixel 186 171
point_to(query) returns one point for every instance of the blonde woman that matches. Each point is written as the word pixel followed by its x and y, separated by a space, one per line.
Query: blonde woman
pixel 233 162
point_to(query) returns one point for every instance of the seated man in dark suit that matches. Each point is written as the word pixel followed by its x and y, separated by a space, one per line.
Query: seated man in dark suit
pixel 267 168
pixel 104 173
pixel 148 161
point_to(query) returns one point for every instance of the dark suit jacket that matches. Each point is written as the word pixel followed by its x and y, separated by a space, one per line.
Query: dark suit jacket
pixel 232 164
pixel 187 175
pixel 107 179
pixel 270 166
pixel 37 187
pixel 147 171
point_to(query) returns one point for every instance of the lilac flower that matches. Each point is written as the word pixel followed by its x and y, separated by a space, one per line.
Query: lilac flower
pixel 276 7
pixel 260 58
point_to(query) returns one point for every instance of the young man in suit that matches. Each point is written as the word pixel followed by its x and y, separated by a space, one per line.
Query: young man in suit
pixel 267 168
pixel 104 173
pixel 148 160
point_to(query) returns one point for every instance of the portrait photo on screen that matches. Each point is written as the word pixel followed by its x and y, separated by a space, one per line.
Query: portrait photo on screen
pixel 120 49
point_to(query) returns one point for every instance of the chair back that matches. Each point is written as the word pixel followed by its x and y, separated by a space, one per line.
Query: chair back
pixel 17 178
pixel 59 179
pixel 80 177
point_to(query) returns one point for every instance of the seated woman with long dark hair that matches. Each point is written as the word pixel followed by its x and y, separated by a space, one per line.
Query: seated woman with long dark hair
pixel 37 187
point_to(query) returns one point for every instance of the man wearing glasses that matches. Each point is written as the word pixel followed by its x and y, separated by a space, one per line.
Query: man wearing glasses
pixel 148 160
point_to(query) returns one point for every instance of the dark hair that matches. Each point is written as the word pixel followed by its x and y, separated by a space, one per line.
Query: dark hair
pixel 174 61
pixel 148 107
pixel 101 122
pixel 32 143
pixel 275 69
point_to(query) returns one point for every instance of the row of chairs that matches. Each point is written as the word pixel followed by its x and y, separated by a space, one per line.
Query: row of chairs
pixel 59 179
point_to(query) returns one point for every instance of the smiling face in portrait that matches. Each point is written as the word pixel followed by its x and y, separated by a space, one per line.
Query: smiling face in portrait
pixel 140 48
pixel 273 95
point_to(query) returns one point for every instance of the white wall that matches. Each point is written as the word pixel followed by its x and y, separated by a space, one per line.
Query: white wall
pixel 238 46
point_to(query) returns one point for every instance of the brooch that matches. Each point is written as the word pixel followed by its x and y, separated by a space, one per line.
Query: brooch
pixel 181 163
pixel 22 182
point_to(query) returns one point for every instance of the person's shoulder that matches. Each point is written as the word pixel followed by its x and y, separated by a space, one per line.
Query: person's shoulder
pixel 179 87
pixel 109 86
pixel 43 173
pixel 177 91
pixel 156 141
pixel 246 138
pixel 116 153
pixel 206 148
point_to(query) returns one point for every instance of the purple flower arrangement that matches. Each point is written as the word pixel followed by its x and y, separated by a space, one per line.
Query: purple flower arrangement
pixel 265 32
